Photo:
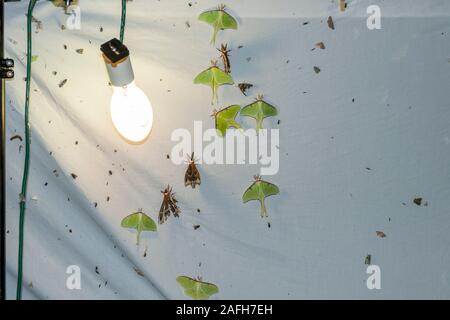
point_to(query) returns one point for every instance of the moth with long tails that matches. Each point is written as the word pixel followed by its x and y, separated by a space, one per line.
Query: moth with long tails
pixel 192 175
pixel 169 205
pixel 260 190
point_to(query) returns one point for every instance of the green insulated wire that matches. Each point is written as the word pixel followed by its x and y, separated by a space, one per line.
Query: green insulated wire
pixel 26 165
pixel 122 21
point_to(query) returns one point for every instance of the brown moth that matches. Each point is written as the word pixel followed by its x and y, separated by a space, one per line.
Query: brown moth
pixel 224 53
pixel 330 22
pixel 169 205
pixel 244 87
pixel 192 176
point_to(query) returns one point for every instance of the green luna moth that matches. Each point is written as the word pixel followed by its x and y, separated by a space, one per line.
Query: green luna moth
pixel 196 288
pixel 219 20
pixel 225 119
pixel 214 77
pixel 139 221
pixel 259 110
pixel 259 190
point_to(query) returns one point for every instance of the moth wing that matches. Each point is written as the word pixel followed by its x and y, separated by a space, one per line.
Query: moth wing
pixel 204 77
pixel 251 110
pixel 252 193
pixel 230 112
pixel 221 77
pixel 187 176
pixel 186 282
pixel 210 17
pixel 174 208
pixel 221 125
pixel 198 179
pixel 130 221
pixel 208 289
pixel 225 119
pixel 269 189
pixel 162 216
pixel 268 110
pixel 226 21
pixel 147 223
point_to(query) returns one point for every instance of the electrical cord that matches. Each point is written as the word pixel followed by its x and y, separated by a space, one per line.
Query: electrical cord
pixel 123 20
pixel 26 166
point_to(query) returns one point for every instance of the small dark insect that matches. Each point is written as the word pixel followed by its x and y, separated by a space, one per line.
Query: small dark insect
pixel 330 23
pixel 167 156
pixel 96 270
pixel 418 201
pixel 196 226
pixel 317 70
pixel 15 137
pixel 110 172
pixel 381 234
pixel 244 87
pixel 74 175
pixel 269 225
pixel 79 51
pixel 62 83
pixel 224 53
pixel 168 205
pixel 101 29
pixel 320 45
pixel 368 260
pixel 192 176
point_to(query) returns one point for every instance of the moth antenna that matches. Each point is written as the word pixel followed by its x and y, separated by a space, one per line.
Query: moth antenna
pixel 259 97
pixel 222 7
pixel 257 177
pixel 214 113
pixel 140 210
pixel 214 63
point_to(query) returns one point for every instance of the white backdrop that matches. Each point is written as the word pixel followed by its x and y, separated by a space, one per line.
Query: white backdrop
pixel 323 223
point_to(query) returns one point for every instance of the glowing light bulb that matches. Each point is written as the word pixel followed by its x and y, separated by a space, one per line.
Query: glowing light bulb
pixel 131 113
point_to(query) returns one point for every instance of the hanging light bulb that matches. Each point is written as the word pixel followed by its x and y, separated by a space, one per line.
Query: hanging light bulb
pixel 131 111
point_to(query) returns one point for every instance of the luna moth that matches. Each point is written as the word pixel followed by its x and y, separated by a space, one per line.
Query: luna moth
pixel 225 119
pixel 259 190
pixel 214 77
pixel 219 20
pixel 196 288
pixel 259 110
pixel 139 221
